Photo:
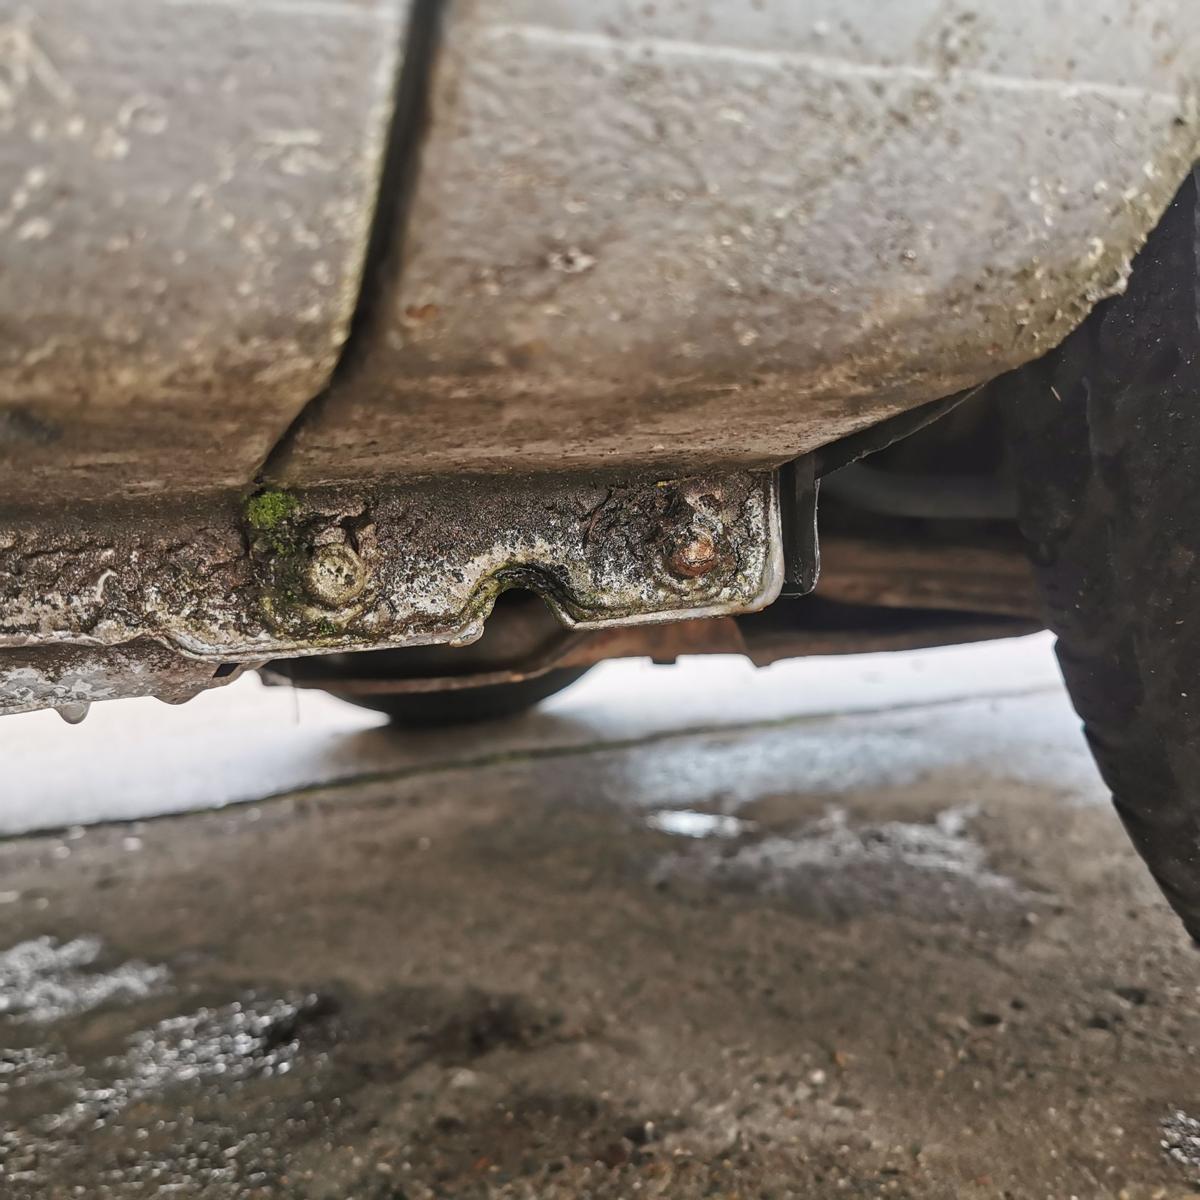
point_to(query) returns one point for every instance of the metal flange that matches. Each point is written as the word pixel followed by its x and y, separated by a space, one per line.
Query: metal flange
pixel 290 573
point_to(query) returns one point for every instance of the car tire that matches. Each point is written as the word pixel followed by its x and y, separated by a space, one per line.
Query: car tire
pixel 1105 443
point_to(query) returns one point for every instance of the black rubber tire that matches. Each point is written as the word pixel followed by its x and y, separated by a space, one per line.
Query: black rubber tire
pixel 1105 435
pixel 461 706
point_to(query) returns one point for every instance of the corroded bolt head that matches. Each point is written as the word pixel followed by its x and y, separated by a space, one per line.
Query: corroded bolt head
pixel 334 576
pixel 693 555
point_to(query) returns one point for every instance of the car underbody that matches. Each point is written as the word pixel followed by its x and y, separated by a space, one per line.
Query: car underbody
pixel 485 341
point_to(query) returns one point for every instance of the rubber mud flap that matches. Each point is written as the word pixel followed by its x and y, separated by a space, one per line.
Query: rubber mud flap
pixel 1105 438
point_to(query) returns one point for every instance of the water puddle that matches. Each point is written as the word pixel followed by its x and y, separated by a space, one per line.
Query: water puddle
pixel 835 867
pixel 22 1064
pixel 1181 1140
pixel 941 846
pixel 251 1038
pixel 682 822
pixel 87 1049
pixel 44 980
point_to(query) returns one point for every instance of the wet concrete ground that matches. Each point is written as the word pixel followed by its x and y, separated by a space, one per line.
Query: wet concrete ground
pixel 904 952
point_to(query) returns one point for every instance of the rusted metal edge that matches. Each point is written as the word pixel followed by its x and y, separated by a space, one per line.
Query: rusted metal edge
pixel 336 569
pixel 762 644
pixel 873 595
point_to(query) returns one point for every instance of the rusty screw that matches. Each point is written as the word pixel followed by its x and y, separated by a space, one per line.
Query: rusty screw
pixel 334 576
pixel 693 555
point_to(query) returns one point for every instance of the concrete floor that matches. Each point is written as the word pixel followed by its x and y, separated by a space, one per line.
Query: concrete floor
pixel 861 927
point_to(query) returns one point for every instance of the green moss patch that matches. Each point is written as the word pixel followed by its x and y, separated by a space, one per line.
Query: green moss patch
pixel 268 510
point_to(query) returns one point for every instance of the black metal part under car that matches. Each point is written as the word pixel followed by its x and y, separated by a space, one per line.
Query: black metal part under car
pixel 465 705
pixel 1105 433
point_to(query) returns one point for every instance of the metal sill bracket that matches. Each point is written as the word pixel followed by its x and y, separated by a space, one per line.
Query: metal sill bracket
pixel 162 600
